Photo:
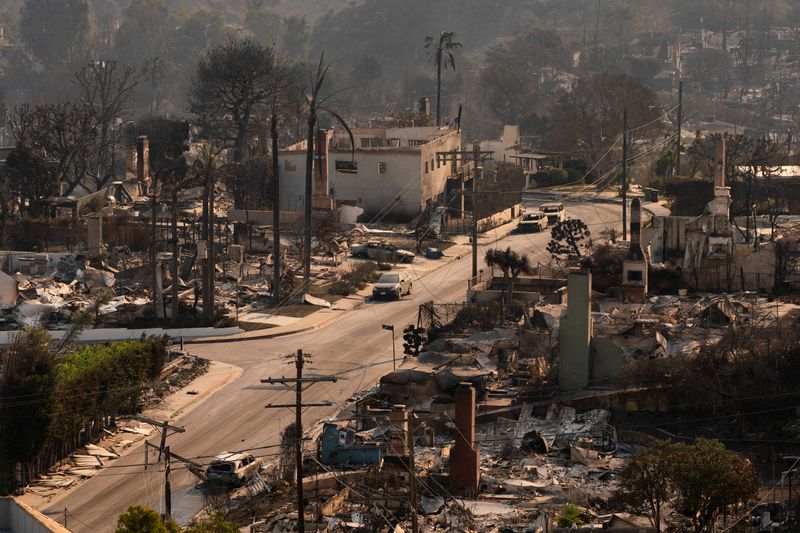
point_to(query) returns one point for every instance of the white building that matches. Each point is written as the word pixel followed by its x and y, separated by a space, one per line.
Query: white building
pixel 393 172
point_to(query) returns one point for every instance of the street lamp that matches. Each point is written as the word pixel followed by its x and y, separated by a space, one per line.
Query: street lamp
pixel 390 327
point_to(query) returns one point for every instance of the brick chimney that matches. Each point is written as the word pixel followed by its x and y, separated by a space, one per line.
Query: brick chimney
pixel 465 471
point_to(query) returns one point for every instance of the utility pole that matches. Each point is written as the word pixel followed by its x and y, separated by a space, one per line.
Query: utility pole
pixel 167 487
pixel 299 362
pixel 476 170
pixel 625 175
pixel 412 476
pixel 475 157
pixel 276 210
pixel 680 122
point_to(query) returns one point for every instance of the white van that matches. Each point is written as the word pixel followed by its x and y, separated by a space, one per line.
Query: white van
pixel 555 212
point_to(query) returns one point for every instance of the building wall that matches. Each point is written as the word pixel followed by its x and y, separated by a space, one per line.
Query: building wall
pixel 411 176
pixel 433 181
pixel 19 518
pixel 398 187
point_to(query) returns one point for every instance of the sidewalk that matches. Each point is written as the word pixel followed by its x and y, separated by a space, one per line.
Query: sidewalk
pixel 173 406
pixel 319 319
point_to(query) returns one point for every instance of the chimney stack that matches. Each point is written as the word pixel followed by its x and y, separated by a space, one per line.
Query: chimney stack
pixel 142 162
pixel 635 250
pixel 425 106
pixel 465 467
pixel 719 163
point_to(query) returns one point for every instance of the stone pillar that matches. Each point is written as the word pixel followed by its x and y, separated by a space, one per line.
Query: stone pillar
pixel 465 463
pixel 575 333
pixel 142 162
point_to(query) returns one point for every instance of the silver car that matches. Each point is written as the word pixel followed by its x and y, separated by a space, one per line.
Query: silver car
pixel 392 285
pixel 381 251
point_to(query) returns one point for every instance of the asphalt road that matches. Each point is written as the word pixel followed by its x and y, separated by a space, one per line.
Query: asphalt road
pixel 354 348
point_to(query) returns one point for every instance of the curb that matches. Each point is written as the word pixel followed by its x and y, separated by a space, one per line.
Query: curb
pixel 321 324
pixel 233 373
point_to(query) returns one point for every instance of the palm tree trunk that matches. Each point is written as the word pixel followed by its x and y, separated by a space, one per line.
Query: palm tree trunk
pixel 439 86
pixel 174 254
pixel 276 212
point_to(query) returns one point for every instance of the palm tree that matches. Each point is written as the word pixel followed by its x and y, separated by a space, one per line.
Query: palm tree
pixel 511 264
pixel 316 104
pixel 440 51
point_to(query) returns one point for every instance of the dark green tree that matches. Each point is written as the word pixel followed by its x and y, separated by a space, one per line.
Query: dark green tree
pixel 234 86
pixel 511 264
pixel 215 523
pixel 589 117
pixel 138 519
pixel 568 237
pixel 709 479
pixel 295 37
pixel 56 31
pixel 645 481
pixel 26 385
pixel 440 51
pixel 144 30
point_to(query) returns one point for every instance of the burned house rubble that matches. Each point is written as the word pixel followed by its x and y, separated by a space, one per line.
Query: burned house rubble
pixel 507 424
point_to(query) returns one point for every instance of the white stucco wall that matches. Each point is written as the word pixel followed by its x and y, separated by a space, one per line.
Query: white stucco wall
pixel 398 190
pixel 406 185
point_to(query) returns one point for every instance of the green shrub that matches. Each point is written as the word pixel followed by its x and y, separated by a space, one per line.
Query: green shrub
pixel 570 515
pixel 551 177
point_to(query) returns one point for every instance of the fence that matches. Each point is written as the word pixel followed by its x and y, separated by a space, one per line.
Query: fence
pixel 458 317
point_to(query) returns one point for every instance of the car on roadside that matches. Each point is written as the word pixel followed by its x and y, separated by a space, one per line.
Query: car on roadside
pixel 392 285
pixel 382 251
pixel 232 469
pixel 555 212
pixel 532 221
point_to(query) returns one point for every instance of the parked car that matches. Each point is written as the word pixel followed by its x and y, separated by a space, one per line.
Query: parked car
pixel 555 212
pixel 232 469
pixel 532 221
pixel 382 251
pixel 392 285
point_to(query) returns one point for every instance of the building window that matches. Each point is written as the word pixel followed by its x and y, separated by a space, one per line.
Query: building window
pixel 289 166
pixel 347 167
pixel 431 165
pixel 376 142
pixel 381 167
pixel 364 143
pixel 634 275
pixel 415 142
pixel 438 163
pixel 426 167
